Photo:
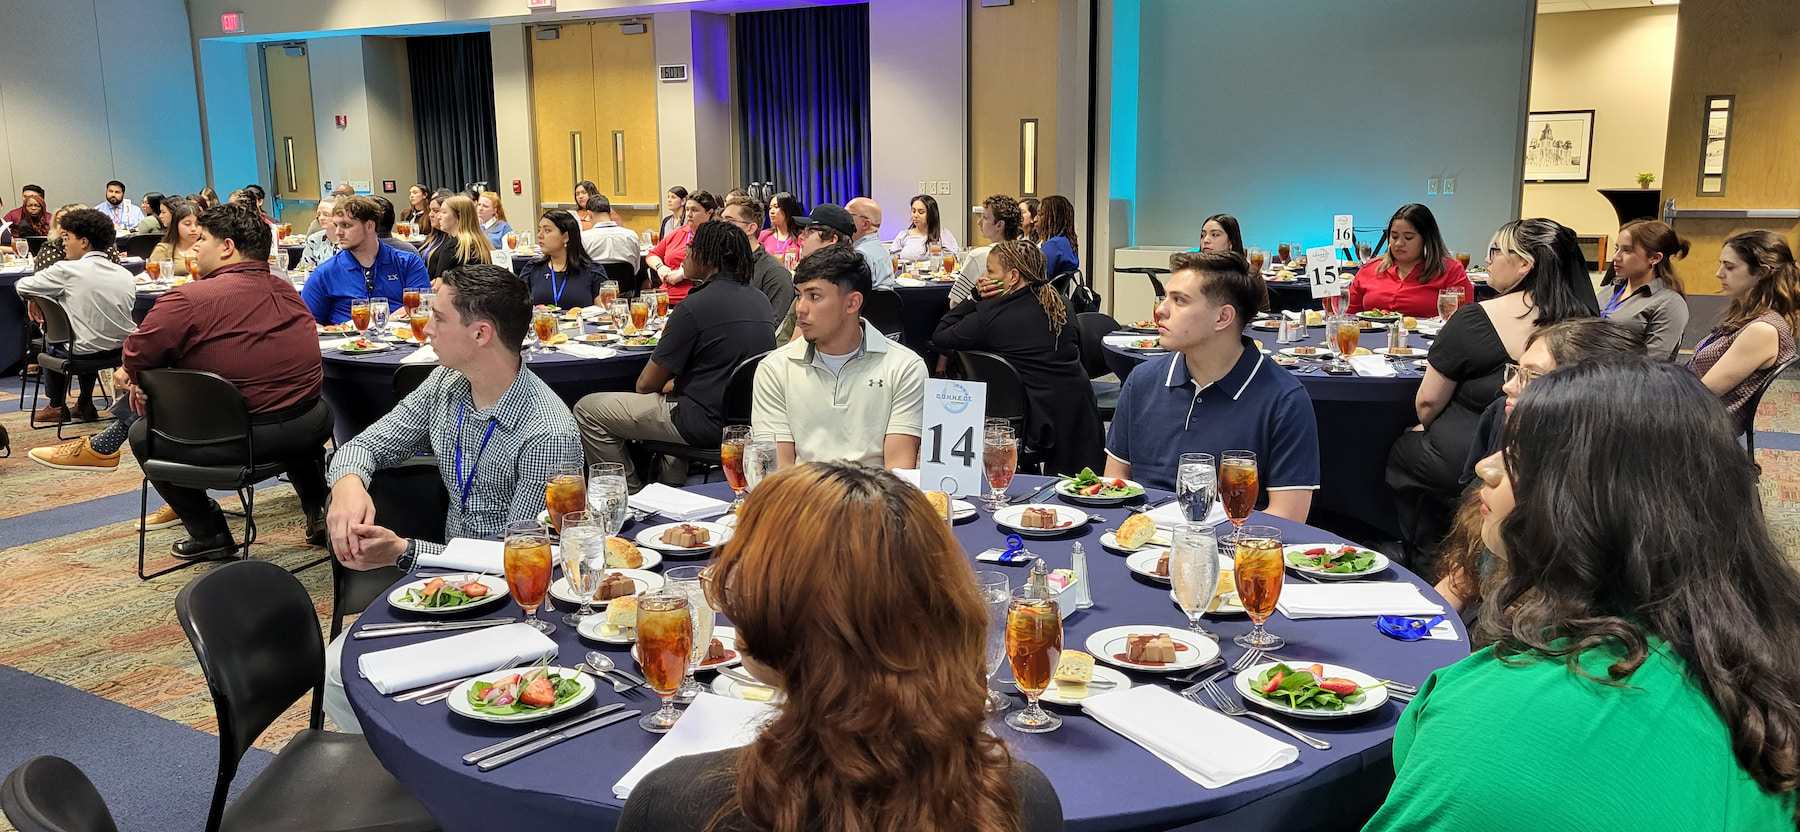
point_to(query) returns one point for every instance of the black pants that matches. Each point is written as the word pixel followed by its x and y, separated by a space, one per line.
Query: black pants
pixel 56 385
pixel 296 435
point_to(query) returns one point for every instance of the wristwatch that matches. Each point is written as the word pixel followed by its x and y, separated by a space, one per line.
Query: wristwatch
pixel 408 559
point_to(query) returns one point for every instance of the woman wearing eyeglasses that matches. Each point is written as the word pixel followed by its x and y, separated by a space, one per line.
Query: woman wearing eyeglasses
pixel 1757 271
pixel 881 665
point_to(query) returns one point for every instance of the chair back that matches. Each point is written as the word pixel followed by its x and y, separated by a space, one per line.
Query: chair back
pixel 57 329
pixel 36 244
pixel 1747 415
pixel 1095 326
pixel 408 378
pixel 193 407
pixel 51 794
pixel 886 311
pixel 741 390
pixel 621 273
pixel 1005 392
pixel 141 245
pixel 256 636
pixel 1077 295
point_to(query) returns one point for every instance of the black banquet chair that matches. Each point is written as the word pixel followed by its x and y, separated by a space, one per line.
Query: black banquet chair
pixel 140 245
pixel 1094 327
pixel 256 636
pixel 736 410
pixel 51 794
pixel 59 332
pixel 1005 399
pixel 885 309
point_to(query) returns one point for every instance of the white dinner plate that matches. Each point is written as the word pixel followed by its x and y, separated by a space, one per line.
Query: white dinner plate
pixel 960 510
pixel 1226 603
pixel 1372 697
pixel 1298 549
pixel 496 591
pixel 346 347
pixel 1066 490
pixel 1317 352
pixel 1110 542
pixel 1129 342
pixel 727 638
pixel 1144 563
pixel 646 582
pixel 1266 325
pixel 598 338
pixel 724 685
pixel 459 696
pixel 1105 643
pixel 1067 519
pixel 1417 352
pixel 1056 695
pixel 595 627
pixel 651 538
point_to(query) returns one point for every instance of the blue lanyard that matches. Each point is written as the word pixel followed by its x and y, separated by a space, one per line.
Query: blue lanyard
pixel 1618 298
pixel 475 463
pixel 555 288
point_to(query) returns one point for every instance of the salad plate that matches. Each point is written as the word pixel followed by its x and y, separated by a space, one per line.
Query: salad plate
pixel 1090 489
pixel 1334 562
pixel 477 699
pixel 448 594
pixel 1301 692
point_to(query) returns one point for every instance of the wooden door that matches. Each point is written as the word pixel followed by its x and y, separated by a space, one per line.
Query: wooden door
pixel 294 150
pixel 1012 81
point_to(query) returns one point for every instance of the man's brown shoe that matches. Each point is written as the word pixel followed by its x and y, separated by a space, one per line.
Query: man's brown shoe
pixel 85 412
pixel 75 455
pixel 51 414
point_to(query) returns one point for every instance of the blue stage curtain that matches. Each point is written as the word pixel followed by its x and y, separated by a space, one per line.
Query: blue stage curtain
pixel 453 109
pixel 803 86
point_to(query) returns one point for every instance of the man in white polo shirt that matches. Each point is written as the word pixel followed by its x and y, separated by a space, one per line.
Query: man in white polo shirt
pixel 842 390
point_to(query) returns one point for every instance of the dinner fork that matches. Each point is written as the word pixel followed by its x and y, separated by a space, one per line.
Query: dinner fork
pixel 1250 657
pixel 1230 707
pixel 443 695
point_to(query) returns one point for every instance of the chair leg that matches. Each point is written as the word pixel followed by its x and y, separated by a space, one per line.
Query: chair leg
pixel 143 512
pixel 37 388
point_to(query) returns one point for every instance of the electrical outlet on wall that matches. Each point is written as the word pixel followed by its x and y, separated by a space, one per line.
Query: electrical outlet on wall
pixel 924 187
pixel 1431 186
pixel 944 188
pixel 1449 185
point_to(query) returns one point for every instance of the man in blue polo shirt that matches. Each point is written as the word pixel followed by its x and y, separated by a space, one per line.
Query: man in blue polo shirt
pixel 363 267
pixel 1215 391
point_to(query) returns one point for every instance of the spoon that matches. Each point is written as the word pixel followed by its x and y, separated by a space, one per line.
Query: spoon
pixel 600 664
pixel 605 663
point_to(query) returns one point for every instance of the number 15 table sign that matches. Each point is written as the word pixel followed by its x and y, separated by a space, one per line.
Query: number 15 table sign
pixel 951 449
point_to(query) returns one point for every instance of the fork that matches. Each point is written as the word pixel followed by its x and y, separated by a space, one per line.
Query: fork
pixel 1250 657
pixel 441 696
pixel 618 687
pixel 1230 707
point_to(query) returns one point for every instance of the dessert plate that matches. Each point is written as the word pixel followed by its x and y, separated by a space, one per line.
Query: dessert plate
pixel 1067 519
pixel 646 581
pixel 652 538
pixel 1191 651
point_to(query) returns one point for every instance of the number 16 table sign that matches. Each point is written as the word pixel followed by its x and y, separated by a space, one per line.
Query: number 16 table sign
pixel 950 451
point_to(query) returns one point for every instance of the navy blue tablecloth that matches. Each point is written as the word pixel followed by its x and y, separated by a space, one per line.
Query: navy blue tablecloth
pixel 12 319
pixel 923 307
pixel 1105 782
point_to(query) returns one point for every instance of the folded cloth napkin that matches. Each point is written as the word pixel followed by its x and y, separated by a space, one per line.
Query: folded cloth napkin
pixel 468 555
pixel 676 504
pixel 1354 600
pixel 586 350
pixel 422 355
pixel 1372 366
pixel 1169 515
pixel 912 282
pixel 452 657
pixel 1207 747
pixel 712 723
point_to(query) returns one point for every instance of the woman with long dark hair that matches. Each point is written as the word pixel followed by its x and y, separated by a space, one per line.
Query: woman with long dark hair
pixel 1538 269
pixel 563 275
pixel 435 237
pixel 1028 220
pixel 1061 245
pixel 782 238
pixel 1757 271
pixel 183 234
pixel 418 205
pixel 1645 628
pixel 1644 291
pixel 883 728
pixel 584 190
pixel 1414 267
pixel 34 218
pixel 152 208
pixel 1029 326
pixel 914 244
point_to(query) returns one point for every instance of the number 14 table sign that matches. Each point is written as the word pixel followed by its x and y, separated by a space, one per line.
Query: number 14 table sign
pixel 950 450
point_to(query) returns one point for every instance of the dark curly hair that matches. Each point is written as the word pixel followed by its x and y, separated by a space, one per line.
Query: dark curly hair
pixel 90 225
pixel 723 246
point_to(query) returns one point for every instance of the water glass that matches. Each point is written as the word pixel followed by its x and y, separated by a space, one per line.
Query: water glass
pixel 999 461
pixel 760 460
pixel 583 561
pixel 1196 486
pixel 608 498
pixel 687 581
pixel 1194 570
pixel 996 592
pixel 378 315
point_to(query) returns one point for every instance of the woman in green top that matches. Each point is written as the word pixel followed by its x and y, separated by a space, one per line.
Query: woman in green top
pixel 1644 671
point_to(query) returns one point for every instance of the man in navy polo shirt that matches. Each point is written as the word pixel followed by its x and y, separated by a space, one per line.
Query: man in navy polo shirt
pixel 1215 391
pixel 363 267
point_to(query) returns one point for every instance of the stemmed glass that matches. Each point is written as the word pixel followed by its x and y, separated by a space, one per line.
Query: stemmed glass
pixel 620 311
pixel 1257 568
pixel 566 491
pixel 527 564
pixel 609 292
pixel 421 315
pixel 378 315
pixel 759 461
pixel 1346 334
pixel 1448 301
pixel 1237 485
pixel 686 580
pixel 996 591
pixel 543 327
pixel 1033 646
pixel 1196 486
pixel 999 459
pixel 359 315
pixel 1194 570
pixel 731 458
pixel 607 495
pixel 664 646
pixel 584 561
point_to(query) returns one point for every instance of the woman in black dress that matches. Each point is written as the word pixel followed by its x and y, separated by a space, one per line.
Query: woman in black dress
pixel 1018 316
pixel 1542 278
pixel 564 276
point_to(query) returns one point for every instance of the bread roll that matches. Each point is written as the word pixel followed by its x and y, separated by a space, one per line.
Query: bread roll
pixel 1074 667
pixel 622 612
pixel 1136 530
pixel 623 554
pixel 940 502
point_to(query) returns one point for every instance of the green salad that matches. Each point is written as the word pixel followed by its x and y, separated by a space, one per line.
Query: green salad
pixel 1341 560
pixel 1306 688
pixel 523 693
pixel 1090 484
pixel 441 594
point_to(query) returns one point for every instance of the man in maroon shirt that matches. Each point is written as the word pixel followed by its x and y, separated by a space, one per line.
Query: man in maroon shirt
pixel 247 325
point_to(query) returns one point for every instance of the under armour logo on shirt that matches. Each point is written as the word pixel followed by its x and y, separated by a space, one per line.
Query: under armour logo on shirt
pixel 876 382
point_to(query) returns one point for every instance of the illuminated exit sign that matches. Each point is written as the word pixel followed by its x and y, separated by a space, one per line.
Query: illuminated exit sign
pixel 541 5
pixel 232 22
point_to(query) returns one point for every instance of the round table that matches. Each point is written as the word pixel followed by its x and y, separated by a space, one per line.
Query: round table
pixel 922 307
pixel 1294 295
pixel 1105 781
pixel 12 314
pixel 360 388
pixel 1358 420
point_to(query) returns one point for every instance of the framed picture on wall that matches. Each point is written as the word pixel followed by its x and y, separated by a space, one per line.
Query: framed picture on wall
pixel 1558 145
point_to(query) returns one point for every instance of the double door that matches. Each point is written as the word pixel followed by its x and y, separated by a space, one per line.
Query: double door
pixel 594 95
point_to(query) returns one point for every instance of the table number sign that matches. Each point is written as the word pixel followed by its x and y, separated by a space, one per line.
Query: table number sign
pixel 1343 236
pixel 1321 271
pixel 950 450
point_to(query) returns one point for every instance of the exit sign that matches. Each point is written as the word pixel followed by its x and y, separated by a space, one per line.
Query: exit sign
pixel 541 5
pixel 232 22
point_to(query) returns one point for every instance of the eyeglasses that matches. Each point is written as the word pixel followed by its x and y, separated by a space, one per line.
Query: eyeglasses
pixel 1520 374
pixel 1494 253
pixel 714 585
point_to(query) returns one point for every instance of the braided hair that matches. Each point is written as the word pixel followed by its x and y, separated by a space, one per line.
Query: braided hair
pixel 1028 260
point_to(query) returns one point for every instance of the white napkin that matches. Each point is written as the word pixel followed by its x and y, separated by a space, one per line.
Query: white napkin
pixel 1207 747
pixel 422 355
pixel 19 269
pixel 587 350
pixel 1372 366
pixel 712 723
pixel 1168 515
pixel 1354 600
pixel 912 282
pixel 676 504
pixel 452 657
pixel 468 555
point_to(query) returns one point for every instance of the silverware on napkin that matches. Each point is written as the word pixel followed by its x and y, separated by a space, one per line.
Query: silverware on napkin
pixel 372 631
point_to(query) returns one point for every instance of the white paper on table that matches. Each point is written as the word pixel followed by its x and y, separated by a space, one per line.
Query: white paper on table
pixel 1207 747
pixel 1444 631
pixel 452 657
pixel 1372 366
pixel 676 504
pixel 1354 600
pixel 587 350
pixel 422 355
pixel 712 723
pixel 911 475
pixel 1168 515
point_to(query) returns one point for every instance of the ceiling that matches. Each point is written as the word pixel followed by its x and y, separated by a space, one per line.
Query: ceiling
pixel 1553 6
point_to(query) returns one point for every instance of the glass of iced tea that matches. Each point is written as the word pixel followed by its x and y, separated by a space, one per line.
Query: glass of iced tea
pixel 420 317
pixel 403 230
pixel 1257 256
pixel 1346 334
pixel 999 460
pixel 527 563
pixel 1284 253
pixel 409 300
pixel 1238 484
pixel 640 314
pixel 665 631
pixel 731 458
pixel 1448 302
pixel 543 325
pixel 687 580
pixel 192 267
pixel 655 236
pixel 153 268
pixel 1463 258
pixel 949 263
pixel 662 305
pixel 359 315
pixel 512 241
pixel 1033 646
pixel 566 491
pixel 1258 570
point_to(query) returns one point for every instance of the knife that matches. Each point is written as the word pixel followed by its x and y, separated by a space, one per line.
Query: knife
pixel 473 622
pixel 415 629
pixel 474 757
pixel 1039 494
pixel 492 763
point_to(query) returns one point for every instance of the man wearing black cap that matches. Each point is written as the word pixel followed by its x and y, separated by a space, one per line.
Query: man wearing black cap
pixel 827 225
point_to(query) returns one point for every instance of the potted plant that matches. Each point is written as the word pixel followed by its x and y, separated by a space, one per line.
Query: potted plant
pixel 1645 179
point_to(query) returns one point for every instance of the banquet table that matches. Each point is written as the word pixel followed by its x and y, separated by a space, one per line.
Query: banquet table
pixel 1105 781
pixel 1294 295
pixel 12 314
pixel 359 387
pixel 923 306
pixel 1358 420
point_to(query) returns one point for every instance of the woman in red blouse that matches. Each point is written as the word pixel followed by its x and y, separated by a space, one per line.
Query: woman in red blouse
pixel 668 255
pixel 1414 249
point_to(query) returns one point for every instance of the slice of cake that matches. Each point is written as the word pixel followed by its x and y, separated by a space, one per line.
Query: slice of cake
pixel 687 536
pixel 621 614
pixel 1162 566
pixel 1151 648
pixel 716 652
pixel 615 585
pixel 1039 518
pixel 623 554
pixel 1400 351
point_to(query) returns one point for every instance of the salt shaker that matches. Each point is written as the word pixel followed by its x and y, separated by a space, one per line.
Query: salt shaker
pixel 1396 336
pixel 1083 599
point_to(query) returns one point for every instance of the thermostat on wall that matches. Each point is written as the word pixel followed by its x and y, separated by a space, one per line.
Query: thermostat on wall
pixel 672 73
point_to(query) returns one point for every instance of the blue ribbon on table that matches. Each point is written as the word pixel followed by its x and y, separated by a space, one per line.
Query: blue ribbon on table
pixel 1406 629
pixel 1015 547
